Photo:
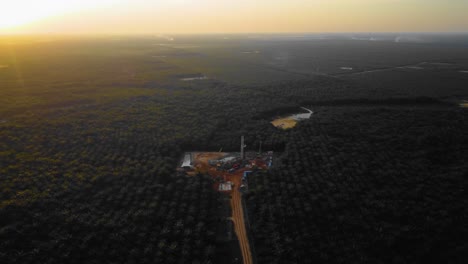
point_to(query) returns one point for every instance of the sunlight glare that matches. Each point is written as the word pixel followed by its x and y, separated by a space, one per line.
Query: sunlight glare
pixel 20 12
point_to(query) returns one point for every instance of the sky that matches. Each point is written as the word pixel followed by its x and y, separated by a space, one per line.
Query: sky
pixel 230 16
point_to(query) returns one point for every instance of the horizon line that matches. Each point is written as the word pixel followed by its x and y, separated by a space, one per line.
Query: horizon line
pixel 231 33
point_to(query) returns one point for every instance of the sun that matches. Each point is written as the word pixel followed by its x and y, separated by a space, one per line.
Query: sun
pixel 14 13
pixel 14 16
pixel 20 12
pixel 12 19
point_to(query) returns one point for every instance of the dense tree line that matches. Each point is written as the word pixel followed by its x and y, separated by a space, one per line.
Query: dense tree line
pixel 366 185
pixel 130 219
pixel 97 182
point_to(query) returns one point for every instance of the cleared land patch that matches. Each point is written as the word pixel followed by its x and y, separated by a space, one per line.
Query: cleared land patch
pixel 292 120
pixel 284 123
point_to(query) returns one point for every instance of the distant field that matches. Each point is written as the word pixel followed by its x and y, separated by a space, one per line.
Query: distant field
pixel 42 71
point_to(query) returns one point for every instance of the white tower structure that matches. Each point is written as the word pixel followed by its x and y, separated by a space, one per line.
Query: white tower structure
pixel 242 147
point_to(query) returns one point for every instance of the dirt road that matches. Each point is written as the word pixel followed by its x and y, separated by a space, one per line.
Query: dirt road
pixel 239 224
pixel 201 165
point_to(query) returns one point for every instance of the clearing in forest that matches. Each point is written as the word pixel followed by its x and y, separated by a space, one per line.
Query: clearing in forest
pixel 291 120
pixel 284 123
pixel 464 104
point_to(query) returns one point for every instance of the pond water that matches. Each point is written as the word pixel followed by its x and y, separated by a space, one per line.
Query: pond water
pixel 302 116
pixel 414 67
pixel 188 79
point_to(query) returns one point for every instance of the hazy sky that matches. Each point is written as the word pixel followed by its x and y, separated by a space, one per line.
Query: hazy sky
pixel 233 16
